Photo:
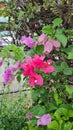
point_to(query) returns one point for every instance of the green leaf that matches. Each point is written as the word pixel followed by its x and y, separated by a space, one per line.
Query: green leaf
pixel 38 110
pixel 52 107
pixel 62 38
pixel 58 101
pixel 47 30
pixel 61 112
pixel 31 52
pixel 35 96
pixel 57 22
pixel 39 49
pixel 18 78
pixel 68 126
pixel 70 55
pixel 54 125
pixel 69 49
pixel 31 127
pixel 63 65
pixel 70 113
pixel 69 89
pixel 67 71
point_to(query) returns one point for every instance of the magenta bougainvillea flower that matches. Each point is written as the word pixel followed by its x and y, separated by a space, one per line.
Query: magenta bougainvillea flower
pixel 35 79
pixel 7 76
pixel 0 42
pixel 50 45
pixel 44 120
pixel 42 39
pixel 36 63
pixel 28 41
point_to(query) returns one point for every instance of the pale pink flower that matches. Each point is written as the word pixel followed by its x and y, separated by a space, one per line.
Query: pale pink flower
pixel 42 39
pixel 28 59
pixel 51 45
pixel 44 120
pixel 48 47
pixel 56 44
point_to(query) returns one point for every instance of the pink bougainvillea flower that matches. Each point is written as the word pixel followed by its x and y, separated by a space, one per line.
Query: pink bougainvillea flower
pixel 51 45
pixel 42 39
pixel 35 79
pixel 44 120
pixel 1 5
pixel 29 116
pixel 28 41
pixel 0 42
pixel 38 61
pixel 28 69
pixel 48 47
pixel 47 67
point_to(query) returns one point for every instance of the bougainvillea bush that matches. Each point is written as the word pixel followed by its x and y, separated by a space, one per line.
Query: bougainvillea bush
pixel 43 63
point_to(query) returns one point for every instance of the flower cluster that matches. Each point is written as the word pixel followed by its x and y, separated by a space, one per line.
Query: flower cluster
pixel 36 63
pixel 49 44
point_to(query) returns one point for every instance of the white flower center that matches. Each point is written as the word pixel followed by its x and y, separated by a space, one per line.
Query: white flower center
pixel 35 81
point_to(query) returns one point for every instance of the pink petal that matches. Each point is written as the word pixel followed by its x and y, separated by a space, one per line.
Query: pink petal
pixel 35 79
pixel 38 61
pixel 48 69
pixel 28 59
pixel 28 41
pixel 42 39
pixel 44 120
pixel 56 44
pixel 48 47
